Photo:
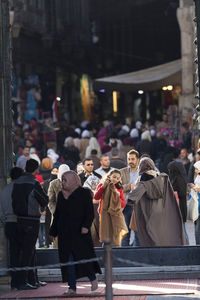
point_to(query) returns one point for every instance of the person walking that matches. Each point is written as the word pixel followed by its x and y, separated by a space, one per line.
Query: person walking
pixel 9 220
pixel 129 177
pixel 28 198
pixel 21 161
pixel 105 166
pixel 88 166
pixel 178 179
pixel 71 224
pixel 157 214
pixel 55 187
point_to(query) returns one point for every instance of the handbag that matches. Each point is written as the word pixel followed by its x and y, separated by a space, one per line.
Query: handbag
pixel 193 206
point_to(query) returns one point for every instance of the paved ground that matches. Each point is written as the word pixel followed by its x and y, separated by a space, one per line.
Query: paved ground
pixel 129 290
pixel 4 287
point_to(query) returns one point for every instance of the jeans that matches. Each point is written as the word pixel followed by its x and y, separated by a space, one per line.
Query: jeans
pixel 127 216
pixel 28 233
pixel 136 241
pixel 72 275
pixel 42 235
pixel 11 232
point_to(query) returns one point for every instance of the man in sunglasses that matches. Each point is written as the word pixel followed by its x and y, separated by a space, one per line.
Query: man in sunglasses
pixel 88 166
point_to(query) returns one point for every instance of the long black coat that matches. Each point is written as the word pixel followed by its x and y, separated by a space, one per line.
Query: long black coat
pixel 178 178
pixel 70 216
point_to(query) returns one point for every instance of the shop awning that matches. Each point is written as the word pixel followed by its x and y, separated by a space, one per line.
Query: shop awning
pixel 147 79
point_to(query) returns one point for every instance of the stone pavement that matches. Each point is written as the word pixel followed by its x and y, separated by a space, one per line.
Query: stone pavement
pixel 129 290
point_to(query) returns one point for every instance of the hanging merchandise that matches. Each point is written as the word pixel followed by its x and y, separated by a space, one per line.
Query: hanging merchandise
pixel 31 106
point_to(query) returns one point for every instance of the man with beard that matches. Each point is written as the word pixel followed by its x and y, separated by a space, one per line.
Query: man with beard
pixel 129 177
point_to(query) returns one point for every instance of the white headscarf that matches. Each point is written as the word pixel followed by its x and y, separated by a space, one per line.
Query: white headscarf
pixel 134 133
pixel 93 144
pixel 53 155
pixel 125 128
pixel 138 125
pixel 36 157
pixel 146 135
pixel 68 142
pixel 78 130
pixel 85 134
pixel 62 169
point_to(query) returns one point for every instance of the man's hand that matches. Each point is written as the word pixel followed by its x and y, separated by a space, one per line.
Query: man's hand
pixel 84 230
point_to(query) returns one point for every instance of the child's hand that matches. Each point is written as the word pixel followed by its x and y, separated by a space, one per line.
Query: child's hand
pixel 107 181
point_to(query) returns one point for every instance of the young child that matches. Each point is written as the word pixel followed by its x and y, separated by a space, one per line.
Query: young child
pixel 112 201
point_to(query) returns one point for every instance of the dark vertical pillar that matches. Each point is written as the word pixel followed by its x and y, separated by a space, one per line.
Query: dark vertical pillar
pixel 5 109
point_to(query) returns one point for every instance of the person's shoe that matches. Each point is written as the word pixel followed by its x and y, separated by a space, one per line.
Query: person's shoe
pixel 94 285
pixel 70 292
pixel 41 283
pixel 27 286
pixel 13 287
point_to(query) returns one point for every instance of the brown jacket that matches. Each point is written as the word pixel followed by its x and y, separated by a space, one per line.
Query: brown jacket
pixel 158 217
pixel 112 222
pixel 125 175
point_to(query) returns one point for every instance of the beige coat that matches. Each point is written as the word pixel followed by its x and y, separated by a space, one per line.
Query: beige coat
pixel 125 175
pixel 54 188
pixel 158 217
pixel 84 143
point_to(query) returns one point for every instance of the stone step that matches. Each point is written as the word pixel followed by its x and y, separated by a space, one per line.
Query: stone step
pixel 133 273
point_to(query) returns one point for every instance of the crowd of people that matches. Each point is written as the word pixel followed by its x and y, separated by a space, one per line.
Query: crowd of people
pixel 74 187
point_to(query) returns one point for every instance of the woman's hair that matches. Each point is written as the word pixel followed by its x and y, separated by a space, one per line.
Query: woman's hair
pixel 119 184
pixel 114 171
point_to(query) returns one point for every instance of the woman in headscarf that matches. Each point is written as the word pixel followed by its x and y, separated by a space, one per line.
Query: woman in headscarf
pixel 112 201
pixel 145 145
pixel 53 155
pixel 72 221
pixel 84 142
pixel 93 144
pixel 134 134
pixel 157 214
pixel 55 187
pixel 71 153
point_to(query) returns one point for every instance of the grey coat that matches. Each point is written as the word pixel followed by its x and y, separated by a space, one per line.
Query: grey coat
pixel 158 217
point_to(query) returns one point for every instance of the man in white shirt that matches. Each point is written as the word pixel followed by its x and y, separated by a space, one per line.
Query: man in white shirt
pixel 105 165
pixel 129 177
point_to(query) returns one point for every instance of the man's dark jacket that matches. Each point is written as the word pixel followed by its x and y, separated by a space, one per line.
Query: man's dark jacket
pixel 28 197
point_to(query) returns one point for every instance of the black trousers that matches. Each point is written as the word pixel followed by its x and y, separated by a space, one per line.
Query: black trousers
pixel 12 234
pixel 28 234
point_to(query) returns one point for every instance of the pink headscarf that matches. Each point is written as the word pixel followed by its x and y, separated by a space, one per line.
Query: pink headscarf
pixel 71 183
